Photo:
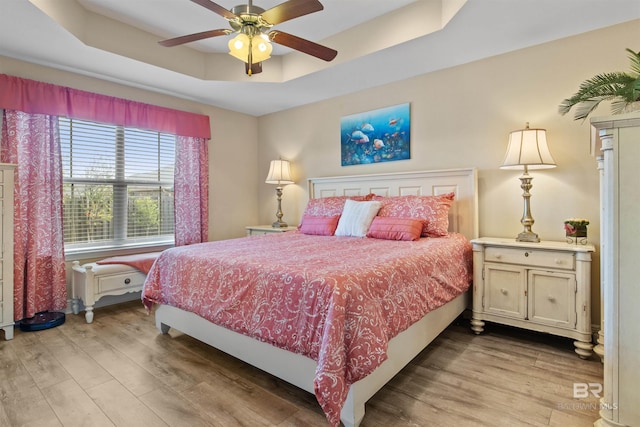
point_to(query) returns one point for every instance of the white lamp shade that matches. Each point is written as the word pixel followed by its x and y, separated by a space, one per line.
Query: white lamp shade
pixel 279 173
pixel 528 147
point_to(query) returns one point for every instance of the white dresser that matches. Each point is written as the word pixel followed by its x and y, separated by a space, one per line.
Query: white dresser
pixel 6 256
pixel 616 142
pixel 544 287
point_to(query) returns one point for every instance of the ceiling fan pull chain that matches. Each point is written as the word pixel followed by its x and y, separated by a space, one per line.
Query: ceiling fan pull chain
pixel 249 71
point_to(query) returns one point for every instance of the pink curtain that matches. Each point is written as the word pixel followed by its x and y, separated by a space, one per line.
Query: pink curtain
pixel 32 142
pixel 191 191
pixel 32 96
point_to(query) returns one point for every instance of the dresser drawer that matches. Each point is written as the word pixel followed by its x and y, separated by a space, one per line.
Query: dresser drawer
pixel 531 257
pixel 123 281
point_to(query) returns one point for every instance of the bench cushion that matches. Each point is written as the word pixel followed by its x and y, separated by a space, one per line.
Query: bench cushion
pixel 142 262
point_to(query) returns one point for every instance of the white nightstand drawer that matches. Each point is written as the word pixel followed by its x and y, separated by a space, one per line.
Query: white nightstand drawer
pixel 257 230
pixel 120 281
pixel 530 257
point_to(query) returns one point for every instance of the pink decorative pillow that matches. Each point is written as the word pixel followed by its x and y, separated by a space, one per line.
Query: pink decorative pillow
pixel 319 225
pixel 330 206
pixel 390 228
pixel 432 210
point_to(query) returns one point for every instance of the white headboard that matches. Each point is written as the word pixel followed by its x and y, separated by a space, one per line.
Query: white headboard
pixel 463 216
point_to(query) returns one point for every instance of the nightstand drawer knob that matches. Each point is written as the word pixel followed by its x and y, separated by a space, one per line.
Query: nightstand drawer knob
pixel 504 291
pixel 559 261
pixel 127 281
pixel 551 298
pixel 526 254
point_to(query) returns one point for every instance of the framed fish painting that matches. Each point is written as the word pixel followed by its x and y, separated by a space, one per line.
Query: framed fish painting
pixel 376 136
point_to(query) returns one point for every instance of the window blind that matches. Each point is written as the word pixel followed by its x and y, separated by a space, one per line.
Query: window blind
pixel 118 185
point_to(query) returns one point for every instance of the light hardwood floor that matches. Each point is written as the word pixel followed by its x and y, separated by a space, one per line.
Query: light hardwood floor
pixel 120 371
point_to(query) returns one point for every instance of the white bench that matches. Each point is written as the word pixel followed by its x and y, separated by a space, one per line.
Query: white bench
pixel 92 281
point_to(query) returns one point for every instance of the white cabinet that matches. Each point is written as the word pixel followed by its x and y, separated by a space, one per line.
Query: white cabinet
pixel 6 245
pixel 256 230
pixel 538 286
pixel 616 141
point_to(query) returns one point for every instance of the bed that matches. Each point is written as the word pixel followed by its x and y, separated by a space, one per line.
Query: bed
pixel 339 329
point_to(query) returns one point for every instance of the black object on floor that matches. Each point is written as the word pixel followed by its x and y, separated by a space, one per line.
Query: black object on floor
pixel 42 320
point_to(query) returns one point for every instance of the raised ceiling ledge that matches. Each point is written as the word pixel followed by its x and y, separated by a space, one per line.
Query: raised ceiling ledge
pixel 416 20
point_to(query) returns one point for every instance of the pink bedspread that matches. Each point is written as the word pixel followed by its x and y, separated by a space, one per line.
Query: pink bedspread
pixel 337 300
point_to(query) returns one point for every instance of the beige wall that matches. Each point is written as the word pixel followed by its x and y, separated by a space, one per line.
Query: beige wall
pixel 462 117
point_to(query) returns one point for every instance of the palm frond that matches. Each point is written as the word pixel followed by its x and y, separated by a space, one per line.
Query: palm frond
pixel 619 106
pixel 607 83
pixel 634 58
pixel 583 108
pixel 621 88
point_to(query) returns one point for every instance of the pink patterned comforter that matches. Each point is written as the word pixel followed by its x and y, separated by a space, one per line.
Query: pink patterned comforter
pixel 337 300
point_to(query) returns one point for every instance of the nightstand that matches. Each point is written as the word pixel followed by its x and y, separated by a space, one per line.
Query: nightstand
pixel 255 230
pixel 545 287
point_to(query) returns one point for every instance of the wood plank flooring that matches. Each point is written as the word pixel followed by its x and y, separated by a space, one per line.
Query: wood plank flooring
pixel 119 371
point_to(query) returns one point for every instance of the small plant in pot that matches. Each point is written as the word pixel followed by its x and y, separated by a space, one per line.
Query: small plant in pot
pixel 576 230
pixel 622 89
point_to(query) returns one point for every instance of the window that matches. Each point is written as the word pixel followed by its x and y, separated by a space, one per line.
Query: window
pixel 118 186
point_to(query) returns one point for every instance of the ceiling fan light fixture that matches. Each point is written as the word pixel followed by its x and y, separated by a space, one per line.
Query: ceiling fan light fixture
pixel 260 48
pixel 252 44
pixel 239 47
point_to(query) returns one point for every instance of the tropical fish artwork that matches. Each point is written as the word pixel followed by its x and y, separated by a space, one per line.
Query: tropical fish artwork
pixel 376 136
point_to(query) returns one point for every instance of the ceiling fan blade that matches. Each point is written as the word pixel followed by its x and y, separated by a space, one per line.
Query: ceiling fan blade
pixel 193 37
pixel 255 68
pixel 302 45
pixel 214 7
pixel 291 9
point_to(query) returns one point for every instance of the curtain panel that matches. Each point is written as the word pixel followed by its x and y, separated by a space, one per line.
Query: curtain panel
pixel 191 183
pixel 32 142
pixel 37 97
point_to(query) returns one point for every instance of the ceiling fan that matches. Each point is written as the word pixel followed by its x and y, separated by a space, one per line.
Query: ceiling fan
pixel 253 26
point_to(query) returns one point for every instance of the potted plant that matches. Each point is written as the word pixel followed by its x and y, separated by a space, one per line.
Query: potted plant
pixel 576 230
pixel 622 89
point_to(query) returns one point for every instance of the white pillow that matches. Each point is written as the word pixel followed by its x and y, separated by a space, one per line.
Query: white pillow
pixel 356 218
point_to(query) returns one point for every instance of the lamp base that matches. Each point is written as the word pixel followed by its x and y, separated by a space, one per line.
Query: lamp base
pixel 527 220
pixel 279 224
pixel 528 236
